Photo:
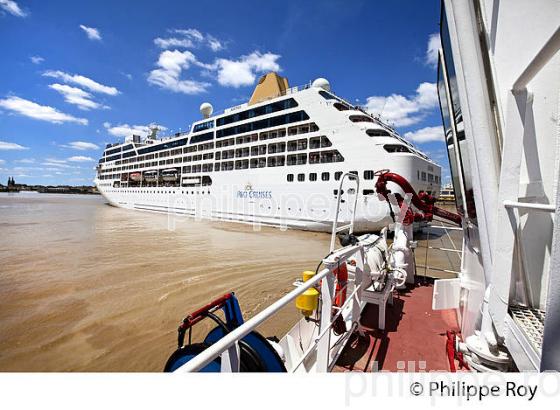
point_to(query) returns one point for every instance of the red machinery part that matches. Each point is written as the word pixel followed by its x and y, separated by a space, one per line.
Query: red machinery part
pixel 453 354
pixel 198 314
pixel 422 201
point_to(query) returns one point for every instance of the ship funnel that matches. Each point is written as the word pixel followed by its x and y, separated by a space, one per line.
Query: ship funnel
pixel 206 109
pixel 322 83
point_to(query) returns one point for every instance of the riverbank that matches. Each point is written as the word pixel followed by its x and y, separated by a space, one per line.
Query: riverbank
pixel 57 189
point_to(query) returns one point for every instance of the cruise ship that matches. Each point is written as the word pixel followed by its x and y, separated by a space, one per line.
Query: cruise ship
pixel 276 160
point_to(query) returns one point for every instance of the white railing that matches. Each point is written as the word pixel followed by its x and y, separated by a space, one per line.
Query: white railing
pixel 227 346
pixel 350 226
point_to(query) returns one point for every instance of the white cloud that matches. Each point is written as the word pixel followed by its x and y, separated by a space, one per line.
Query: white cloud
pixel 80 158
pixel 57 165
pixel 81 145
pixel 39 112
pixel 190 33
pixel 405 111
pixel 25 161
pixel 125 130
pixel 92 33
pixel 12 7
pixel 77 96
pixel 82 81
pixel 236 73
pixel 173 42
pixel 214 43
pixel 11 146
pixel 168 76
pixel 434 44
pixel 426 134
pixel 2 162
pixel 36 59
pixel 189 38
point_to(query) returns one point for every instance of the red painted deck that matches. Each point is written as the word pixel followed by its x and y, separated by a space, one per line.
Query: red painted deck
pixel 414 338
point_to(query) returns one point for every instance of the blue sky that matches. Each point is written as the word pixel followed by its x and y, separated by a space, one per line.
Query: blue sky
pixel 76 75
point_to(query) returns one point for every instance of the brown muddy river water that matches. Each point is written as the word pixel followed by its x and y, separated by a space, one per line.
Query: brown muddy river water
pixel 88 287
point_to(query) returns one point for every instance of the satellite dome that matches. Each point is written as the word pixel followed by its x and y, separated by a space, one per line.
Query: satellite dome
pixel 322 83
pixel 206 109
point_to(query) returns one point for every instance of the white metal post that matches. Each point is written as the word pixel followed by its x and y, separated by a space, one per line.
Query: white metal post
pixel 550 359
pixel 518 104
pixel 324 345
pixel 230 359
pixel 358 282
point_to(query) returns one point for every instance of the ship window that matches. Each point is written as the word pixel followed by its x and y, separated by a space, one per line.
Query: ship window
pixel 313 177
pixel 341 106
pixel 324 157
pixel 265 123
pixel 327 96
pixel 258 111
pixel 258 162
pixel 315 143
pixel 290 177
pixel 301 177
pixel 430 177
pixel 368 174
pixel 392 148
pixel 337 175
pixel 423 176
pixel 242 164
pixel 277 161
pixel 258 150
pixel 377 133
pixel 368 192
pixel 360 118
pixel 325 176
pixel 218 155
pixel 297 159
pixel 241 152
pixel 278 147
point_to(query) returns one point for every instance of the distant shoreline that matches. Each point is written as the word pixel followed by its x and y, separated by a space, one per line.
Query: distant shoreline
pixel 64 189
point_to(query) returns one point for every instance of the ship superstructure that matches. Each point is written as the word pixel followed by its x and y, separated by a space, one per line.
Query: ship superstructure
pixel 276 160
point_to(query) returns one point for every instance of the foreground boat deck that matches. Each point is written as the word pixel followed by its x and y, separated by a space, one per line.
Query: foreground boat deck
pixel 414 339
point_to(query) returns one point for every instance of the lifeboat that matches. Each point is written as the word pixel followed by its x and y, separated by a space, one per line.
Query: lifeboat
pixel 170 175
pixel 151 176
pixel 136 176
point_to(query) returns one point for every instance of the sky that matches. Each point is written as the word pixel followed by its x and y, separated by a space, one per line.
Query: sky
pixel 78 75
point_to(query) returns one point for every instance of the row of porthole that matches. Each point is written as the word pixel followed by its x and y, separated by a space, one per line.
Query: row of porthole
pixel 326 176
pixel 289 209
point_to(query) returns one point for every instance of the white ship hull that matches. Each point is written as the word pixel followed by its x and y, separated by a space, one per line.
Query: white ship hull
pixel 260 197
pixel 232 188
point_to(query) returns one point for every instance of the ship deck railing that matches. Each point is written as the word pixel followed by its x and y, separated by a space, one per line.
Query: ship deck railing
pixel 227 347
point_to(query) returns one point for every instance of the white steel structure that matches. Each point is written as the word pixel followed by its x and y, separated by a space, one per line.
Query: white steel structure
pixel 499 88
pixel 275 162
